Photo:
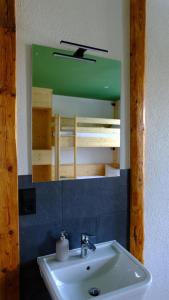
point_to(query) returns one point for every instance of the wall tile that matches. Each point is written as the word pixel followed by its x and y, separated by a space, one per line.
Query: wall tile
pixel 75 227
pixel 91 198
pixel 37 240
pixel 25 181
pixel 97 206
pixel 113 227
pixel 48 205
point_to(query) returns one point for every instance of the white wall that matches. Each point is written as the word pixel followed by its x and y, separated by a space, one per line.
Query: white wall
pixel 87 156
pixel 157 149
pixel 82 107
pixel 99 23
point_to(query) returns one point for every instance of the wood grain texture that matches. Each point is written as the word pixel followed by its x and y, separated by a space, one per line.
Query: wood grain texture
pixel 41 134
pixel 90 142
pixel 137 39
pixel 57 147
pixel 41 128
pixel 67 170
pixel 98 130
pixel 9 233
pixel 75 148
pixel 100 121
pixel 7 14
pixel 41 97
pixel 116 115
pixel 41 157
pixel 41 173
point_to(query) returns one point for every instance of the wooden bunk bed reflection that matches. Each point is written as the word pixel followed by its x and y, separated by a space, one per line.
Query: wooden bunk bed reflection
pixel 79 132
pixel 50 135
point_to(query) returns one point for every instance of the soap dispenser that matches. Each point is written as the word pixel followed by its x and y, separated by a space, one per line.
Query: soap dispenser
pixel 62 247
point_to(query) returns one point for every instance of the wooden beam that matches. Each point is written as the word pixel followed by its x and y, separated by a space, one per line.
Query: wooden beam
pixel 41 134
pixel 41 98
pixel 42 173
pixel 99 130
pixel 137 40
pixel 75 148
pixel 89 142
pixel 57 147
pixel 98 121
pixel 9 233
pixel 7 14
pixel 41 157
pixel 41 128
pixel 67 170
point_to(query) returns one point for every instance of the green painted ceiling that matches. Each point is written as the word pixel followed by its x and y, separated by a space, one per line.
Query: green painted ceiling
pixel 100 80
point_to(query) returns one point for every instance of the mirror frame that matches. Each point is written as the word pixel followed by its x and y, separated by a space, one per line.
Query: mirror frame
pixel 9 229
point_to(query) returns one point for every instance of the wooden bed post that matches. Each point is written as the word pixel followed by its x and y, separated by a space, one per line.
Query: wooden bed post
pixel 9 234
pixel 137 40
pixel 57 146
pixel 75 147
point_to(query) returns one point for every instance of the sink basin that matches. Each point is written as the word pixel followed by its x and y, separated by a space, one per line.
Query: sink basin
pixel 109 273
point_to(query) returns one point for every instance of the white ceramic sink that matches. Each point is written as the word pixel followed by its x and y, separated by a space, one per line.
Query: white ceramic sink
pixel 112 270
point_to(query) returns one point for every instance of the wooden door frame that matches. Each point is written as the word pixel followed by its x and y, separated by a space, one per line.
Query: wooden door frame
pixel 9 218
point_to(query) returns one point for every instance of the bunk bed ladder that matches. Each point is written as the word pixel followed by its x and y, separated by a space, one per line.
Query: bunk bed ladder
pixel 75 147
pixel 116 151
pixel 57 147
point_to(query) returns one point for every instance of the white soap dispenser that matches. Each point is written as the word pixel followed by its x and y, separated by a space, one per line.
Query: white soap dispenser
pixel 62 247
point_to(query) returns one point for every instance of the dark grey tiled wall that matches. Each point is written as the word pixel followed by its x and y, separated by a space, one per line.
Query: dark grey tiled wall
pixel 98 206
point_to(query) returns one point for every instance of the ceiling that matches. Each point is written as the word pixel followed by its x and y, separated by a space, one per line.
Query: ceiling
pixel 69 77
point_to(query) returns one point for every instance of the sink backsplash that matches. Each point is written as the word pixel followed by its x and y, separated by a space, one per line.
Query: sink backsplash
pixel 99 207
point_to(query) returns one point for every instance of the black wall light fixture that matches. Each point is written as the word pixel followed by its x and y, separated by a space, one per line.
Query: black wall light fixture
pixel 79 53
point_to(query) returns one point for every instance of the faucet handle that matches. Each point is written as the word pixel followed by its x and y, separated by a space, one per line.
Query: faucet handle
pixel 85 237
pixel 85 240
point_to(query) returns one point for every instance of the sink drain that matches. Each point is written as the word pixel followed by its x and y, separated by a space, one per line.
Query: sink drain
pixel 94 292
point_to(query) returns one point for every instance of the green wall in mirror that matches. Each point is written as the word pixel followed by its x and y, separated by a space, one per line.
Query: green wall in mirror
pixel 68 77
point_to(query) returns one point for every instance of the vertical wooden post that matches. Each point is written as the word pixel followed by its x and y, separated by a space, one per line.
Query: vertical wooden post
pixel 41 132
pixel 57 146
pixel 137 39
pixel 116 115
pixel 9 240
pixel 75 147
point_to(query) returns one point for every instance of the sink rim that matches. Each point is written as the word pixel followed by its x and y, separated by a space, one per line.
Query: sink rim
pixel 46 272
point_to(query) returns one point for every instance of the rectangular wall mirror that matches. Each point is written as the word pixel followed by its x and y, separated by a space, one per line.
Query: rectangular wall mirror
pixel 75 114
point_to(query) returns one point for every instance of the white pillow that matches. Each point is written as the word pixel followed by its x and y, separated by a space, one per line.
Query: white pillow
pixel 111 172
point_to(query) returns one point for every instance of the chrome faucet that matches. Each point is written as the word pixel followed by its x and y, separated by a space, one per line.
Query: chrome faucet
pixel 86 245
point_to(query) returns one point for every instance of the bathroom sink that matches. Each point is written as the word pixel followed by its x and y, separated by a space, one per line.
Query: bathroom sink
pixel 109 273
